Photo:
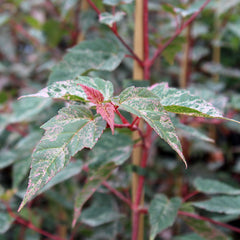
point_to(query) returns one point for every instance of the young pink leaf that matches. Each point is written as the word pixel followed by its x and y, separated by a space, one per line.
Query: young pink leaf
pixel 107 110
pixel 93 95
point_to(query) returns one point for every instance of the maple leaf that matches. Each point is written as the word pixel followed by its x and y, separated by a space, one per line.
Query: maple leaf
pixel 93 95
pixel 107 110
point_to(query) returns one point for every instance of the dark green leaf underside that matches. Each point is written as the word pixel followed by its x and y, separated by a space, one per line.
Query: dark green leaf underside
pixel 93 182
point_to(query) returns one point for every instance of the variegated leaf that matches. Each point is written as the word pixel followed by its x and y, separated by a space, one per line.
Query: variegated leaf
pixel 109 19
pixel 89 55
pixel 72 89
pixel 73 129
pixel 146 105
pixel 183 102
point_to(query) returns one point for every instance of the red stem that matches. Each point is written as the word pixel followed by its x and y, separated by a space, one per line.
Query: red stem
pixel 235 229
pixel 117 193
pixel 190 195
pixel 192 215
pixel 29 225
pixel 114 30
pixel 133 128
pixel 136 214
pixel 123 119
pixel 178 31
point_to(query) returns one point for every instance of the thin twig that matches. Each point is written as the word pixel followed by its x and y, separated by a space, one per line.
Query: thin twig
pixel 114 30
pixel 117 193
pixel 192 215
pixel 190 195
pixel 29 225
pixel 178 32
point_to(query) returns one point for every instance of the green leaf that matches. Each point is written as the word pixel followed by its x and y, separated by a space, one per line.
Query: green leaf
pixel 97 54
pixel 191 132
pixel 71 89
pixel 163 212
pixel 94 180
pixel 221 204
pixel 116 2
pixel 72 169
pixel 222 6
pixel 73 129
pixel 216 68
pixel 4 18
pixel 7 158
pixel 53 32
pixel 204 229
pixel 28 109
pixel 5 221
pixel 95 216
pixel 110 148
pixel 146 105
pixel 109 19
pixel 214 187
pixel 174 48
pixel 183 102
pixel 235 101
pixel 191 236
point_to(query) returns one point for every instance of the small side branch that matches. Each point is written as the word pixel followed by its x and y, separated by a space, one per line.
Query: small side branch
pixel 117 193
pixel 29 225
pixel 113 29
pixel 178 32
pixel 195 216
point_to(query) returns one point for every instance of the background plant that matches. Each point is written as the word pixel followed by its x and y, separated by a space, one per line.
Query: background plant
pixel 35 36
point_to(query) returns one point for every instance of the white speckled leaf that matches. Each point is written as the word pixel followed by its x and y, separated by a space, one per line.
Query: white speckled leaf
pixel 146 105
pixel 73 129
pixel 72 90
pixel 183 102
pixel 99 54
pixel 221 204
pixel 212 186
pixel 163 212
pixel 116 2
pixel 109 19
pixel 93 182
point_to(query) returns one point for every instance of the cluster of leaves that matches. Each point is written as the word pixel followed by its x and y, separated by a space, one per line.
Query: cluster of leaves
pixel 88 106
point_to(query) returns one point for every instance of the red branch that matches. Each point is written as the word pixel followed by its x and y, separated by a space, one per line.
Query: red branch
pixel 235 229
pixel 133 128
pixel 190 195
pixel 114 30
pixel 178 32
pixel 29 225
pixel 136 214
pixel 117 193
pixel 195 216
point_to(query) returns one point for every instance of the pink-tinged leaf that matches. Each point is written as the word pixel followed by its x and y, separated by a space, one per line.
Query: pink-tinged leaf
pixel 93 95
pixel 107 110
pixel 73 129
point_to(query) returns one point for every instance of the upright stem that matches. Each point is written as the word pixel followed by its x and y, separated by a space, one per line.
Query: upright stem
pixel 138 74
pixel 140 154
pixel 84 7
